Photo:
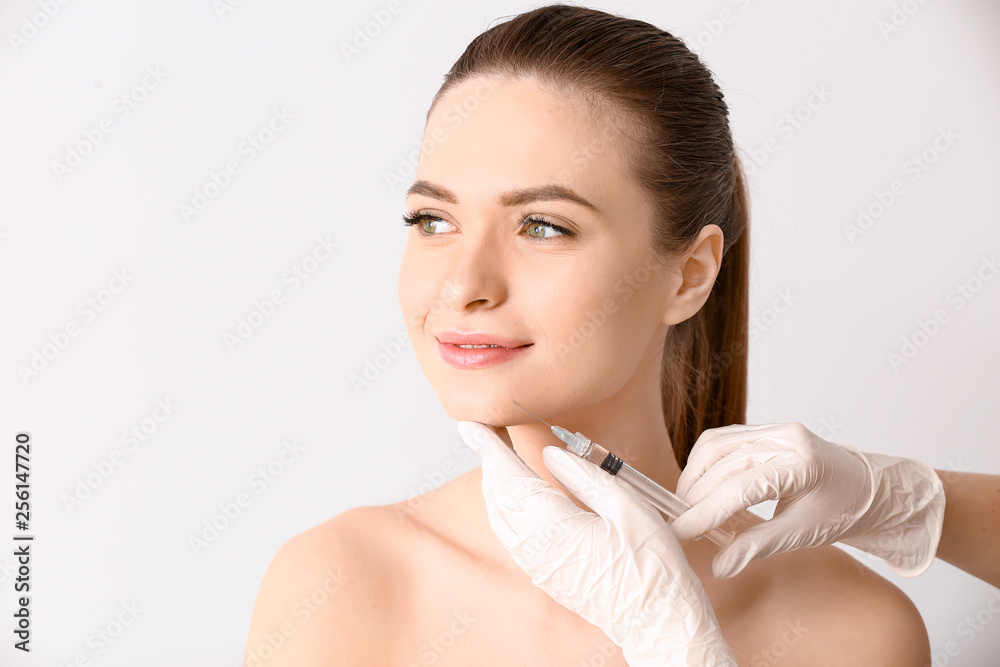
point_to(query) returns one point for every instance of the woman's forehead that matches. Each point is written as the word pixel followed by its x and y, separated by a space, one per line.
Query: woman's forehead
pixel 521 135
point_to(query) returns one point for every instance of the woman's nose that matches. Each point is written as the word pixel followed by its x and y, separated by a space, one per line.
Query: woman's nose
pixel 477 277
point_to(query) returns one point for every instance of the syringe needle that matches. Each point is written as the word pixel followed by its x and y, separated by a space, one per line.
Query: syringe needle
pixel 532 414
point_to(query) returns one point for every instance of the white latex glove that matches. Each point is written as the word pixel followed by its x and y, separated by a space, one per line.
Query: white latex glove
pixel 620 569
pixel 889 507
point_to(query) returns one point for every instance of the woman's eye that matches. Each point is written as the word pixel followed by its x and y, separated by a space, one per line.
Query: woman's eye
pixel 537 229
pixel 430 225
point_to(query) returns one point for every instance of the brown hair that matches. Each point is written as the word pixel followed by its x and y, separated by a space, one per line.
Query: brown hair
pixel 677 145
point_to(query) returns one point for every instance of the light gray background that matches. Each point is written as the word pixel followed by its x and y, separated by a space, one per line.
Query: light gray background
pixel 823 361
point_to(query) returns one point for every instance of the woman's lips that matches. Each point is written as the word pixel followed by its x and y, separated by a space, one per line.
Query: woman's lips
pixel 502 348
pixel 478 357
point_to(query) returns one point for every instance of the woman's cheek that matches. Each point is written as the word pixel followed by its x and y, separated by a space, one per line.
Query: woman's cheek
pixel 579 332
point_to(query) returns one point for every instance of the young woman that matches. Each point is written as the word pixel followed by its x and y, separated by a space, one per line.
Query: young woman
pixel 582 214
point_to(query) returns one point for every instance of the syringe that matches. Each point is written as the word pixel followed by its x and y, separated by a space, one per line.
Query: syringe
pixel 669 504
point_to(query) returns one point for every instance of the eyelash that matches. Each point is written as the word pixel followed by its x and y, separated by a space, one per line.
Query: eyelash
pixel 418 218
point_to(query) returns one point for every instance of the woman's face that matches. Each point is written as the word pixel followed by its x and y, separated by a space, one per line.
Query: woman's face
pixel 577 284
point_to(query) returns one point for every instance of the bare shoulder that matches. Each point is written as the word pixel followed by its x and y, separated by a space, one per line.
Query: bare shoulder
pixel 325 597
pixel 822 606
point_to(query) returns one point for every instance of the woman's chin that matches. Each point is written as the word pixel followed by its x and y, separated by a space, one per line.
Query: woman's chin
pixel 491 415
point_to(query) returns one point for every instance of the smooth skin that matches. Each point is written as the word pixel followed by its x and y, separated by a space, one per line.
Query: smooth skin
pixel 425 581
pixel 970 537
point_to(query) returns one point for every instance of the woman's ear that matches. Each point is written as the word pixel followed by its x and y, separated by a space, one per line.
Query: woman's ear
pixel 694 275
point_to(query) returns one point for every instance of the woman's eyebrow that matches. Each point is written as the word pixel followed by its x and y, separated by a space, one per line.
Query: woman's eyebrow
pixel 515 197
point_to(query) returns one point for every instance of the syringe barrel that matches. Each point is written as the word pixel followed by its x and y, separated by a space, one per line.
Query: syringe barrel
pixel 596 455
pixel 669 504
pixel 665 501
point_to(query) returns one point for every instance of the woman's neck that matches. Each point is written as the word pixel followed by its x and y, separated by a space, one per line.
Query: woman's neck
pixel 634 430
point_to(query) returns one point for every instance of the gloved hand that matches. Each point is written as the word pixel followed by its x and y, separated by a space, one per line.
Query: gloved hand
pixel 890 507
pixel 620 569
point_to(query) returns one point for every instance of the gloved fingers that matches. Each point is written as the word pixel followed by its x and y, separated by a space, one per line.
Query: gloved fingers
pixel 716 443
pixel 707 515
pixel 713 433
pixel 523 509
pixel 730 561
pixel 608 574
pixel 792 529
pixel 717 499
pixel 772 461
pixel 612 498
